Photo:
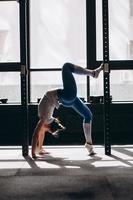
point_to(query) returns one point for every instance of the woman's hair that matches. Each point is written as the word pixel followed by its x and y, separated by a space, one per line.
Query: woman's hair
pixel 56 126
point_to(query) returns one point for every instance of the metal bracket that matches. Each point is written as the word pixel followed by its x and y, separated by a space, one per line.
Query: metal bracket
pixel 106 68
pixel 23 70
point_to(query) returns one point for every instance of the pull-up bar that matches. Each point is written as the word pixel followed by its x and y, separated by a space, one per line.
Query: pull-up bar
pixel 106 77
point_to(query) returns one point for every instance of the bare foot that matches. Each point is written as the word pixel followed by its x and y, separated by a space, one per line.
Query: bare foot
pixel 43 152
pixel 34 156
pixel 97 71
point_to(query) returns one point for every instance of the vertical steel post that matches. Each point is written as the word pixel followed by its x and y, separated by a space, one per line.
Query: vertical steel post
pixel 91 35
pixel 106 77
pixel 24 81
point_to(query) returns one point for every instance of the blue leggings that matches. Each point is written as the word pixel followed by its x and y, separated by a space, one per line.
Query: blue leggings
pixel 68 95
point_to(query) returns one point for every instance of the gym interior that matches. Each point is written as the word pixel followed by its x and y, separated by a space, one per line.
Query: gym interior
pixel 36 38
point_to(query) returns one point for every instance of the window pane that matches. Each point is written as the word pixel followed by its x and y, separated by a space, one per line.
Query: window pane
pixel 121 85
pixel 10 86
pixel 99 36
pixel 58 33
pixel 9 32
pixel 120 29
pixel 41 82
pixel 96 86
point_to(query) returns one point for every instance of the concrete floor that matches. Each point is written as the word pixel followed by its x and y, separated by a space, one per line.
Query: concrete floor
pixel 67 173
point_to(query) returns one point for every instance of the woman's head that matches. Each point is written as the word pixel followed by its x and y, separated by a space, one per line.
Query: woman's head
pixel 55 127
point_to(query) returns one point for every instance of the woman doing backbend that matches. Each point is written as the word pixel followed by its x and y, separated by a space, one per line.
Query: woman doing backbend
pixel 68 98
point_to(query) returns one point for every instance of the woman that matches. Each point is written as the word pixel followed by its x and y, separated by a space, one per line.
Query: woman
pixel 68 98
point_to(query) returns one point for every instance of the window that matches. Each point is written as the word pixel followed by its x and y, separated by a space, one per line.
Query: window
pixel 99 38
pixel 56 38
pixel 56 35
pixel 131 8
pixel 121 87
pixel 96 86
pixel 120 48
pixel 40 85
pixel 9 50
pixel 10 86
pixel 120 29
pixel 9 32
pixel 41 82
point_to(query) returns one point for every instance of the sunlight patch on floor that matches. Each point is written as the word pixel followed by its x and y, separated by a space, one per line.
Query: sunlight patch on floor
pixel 129 149
pixel 68 157
pixel 14 165
pixel 110 164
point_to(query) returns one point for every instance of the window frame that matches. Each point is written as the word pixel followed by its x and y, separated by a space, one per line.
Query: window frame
pixel 44 69
pixel 91 41
pixel 10 66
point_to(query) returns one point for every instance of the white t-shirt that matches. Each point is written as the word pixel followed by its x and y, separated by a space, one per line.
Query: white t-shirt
pixel 47 105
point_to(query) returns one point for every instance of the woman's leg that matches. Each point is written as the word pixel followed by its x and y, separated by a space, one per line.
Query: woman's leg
pixel 82 109
pixel 40 141
pixel 88 72
pixel 68 94
pixel 35 139
pixel 85 112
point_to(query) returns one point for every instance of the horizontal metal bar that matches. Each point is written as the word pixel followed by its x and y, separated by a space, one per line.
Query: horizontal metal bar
pixel 116 65
pixel 9 0
pixel 46 69
pixel 10 67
